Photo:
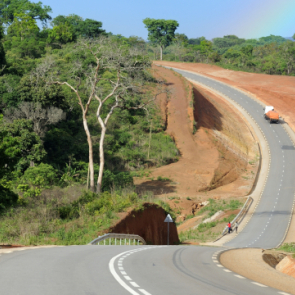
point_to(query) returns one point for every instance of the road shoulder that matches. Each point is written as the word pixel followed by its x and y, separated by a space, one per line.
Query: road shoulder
pixel 249 263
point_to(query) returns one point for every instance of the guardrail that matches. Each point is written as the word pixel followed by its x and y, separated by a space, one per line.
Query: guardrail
pixel 122 239
pixel 239 217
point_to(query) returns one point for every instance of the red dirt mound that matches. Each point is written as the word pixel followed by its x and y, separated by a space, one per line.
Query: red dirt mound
pixel 148 223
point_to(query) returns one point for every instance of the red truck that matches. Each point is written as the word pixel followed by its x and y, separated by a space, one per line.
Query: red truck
pixel 271 115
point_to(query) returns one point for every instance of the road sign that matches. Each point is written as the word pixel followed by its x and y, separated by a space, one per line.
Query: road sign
pixel 168 218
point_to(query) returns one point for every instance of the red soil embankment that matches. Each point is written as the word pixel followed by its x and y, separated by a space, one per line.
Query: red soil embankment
pixel 148 223
pixel 275 90
pixel 216 155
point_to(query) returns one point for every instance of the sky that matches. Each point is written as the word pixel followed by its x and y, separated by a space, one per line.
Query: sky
pixel 196 18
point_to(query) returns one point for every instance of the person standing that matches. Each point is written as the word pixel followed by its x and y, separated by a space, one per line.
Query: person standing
pixel 236 227
pixel 229 227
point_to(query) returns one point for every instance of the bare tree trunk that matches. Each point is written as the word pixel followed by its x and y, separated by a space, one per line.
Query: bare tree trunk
pixel 101 159
pixel 150 137
pixel 161 53
pixel 90 145
pixel 87 185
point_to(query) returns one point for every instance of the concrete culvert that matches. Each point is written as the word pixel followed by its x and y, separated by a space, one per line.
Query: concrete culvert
pixel 148 222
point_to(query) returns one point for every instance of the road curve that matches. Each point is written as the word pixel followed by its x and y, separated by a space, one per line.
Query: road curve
pixel 146 270
pixel 269 223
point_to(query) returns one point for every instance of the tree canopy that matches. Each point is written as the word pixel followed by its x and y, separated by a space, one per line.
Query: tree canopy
pixel 37 11
pixel 161 31
pixel 85 28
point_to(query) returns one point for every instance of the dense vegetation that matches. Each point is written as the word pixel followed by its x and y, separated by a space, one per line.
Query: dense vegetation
pixel 271 54
pixel 44 150
pixel 72 95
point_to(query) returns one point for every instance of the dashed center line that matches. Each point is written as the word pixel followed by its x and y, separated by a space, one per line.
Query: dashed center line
pixel 238 276
pixel 260 285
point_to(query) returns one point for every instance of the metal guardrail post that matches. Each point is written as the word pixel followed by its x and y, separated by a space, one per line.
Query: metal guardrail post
pixel 125 237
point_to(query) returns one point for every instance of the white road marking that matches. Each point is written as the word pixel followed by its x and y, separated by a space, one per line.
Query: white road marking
pixel 116 276
pixel 238 276
pixel 227 270
pixel 283 293
pixel 260 285
pixel 134 284
pixel 127 278
pixel 144 292
pixel 123 273
pixel 219 265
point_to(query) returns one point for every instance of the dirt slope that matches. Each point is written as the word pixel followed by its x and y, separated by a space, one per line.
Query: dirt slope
pixel 214 161
pixel 275 90
pixel 278 91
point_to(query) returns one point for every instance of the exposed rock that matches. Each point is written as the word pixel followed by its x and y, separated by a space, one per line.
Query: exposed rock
pixel 272 258
pixel 287 266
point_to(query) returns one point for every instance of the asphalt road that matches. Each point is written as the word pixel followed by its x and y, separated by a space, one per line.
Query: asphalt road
pixel 268 225
pixel 96 270
pixel 92 270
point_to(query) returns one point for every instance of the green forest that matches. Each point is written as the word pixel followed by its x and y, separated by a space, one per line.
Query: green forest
pixel 73 99
pixel 272 55
pixel 78 118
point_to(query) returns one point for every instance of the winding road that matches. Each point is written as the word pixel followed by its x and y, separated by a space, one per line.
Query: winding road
pixel 141 270
pixel 147 270
pixel 268 225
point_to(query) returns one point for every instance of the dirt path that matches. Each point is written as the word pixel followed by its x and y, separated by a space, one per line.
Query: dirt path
pixel 249 263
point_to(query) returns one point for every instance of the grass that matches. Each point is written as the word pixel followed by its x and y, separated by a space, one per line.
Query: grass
pixel 288 247
pixel 211 230
pixel 164 179
pixel 217 205
pixel 68 216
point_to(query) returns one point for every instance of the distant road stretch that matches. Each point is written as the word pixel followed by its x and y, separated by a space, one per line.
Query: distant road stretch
pixel 267 227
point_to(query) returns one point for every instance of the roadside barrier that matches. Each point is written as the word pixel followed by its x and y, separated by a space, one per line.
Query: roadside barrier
pixel 238 218
pixel 118 239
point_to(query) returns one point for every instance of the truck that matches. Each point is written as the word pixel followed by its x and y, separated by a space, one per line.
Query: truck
pixel 271 115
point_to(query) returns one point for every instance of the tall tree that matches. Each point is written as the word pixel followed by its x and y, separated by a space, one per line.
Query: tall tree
pixel 161 32
pixel 288 53
pixel 110 74
pixel 8 9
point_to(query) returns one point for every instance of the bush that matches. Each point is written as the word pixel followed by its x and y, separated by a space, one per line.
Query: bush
pixel 43 175
pixel 95 204
pixel 7 198
pixel 117 181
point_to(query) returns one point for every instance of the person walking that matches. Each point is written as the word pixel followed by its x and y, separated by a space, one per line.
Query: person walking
pixel 236 227
pixel 229 227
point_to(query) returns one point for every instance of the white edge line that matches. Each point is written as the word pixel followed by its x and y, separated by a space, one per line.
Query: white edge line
pixel 144 292
pixel 116 276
